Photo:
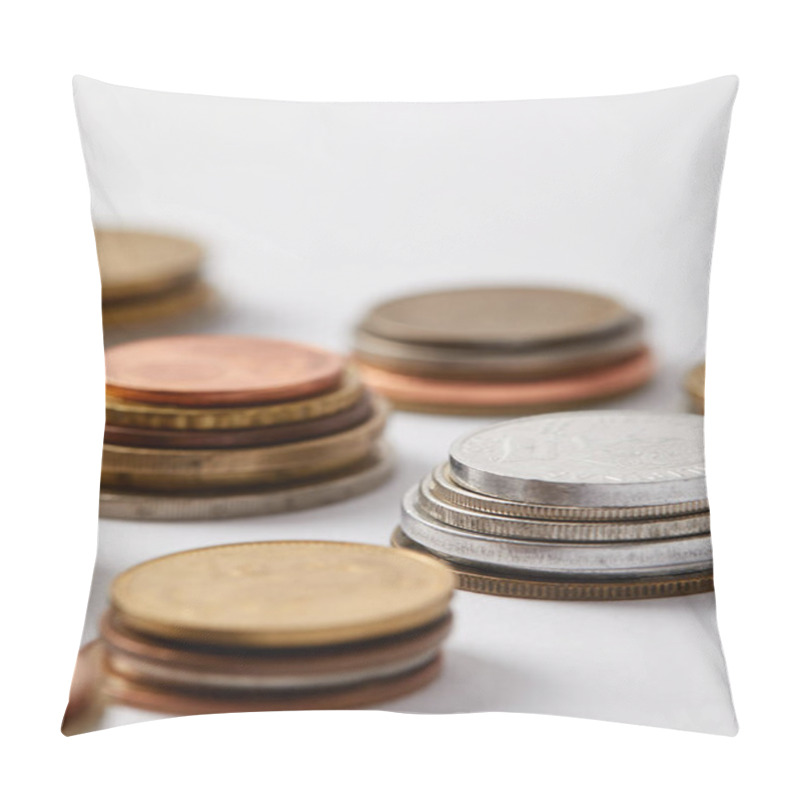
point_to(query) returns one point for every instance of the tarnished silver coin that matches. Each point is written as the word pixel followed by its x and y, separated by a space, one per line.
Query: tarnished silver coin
pixel 446 489
pixel 555 359
pixel 553 530
pixel 659 557
pixel 359 479
pixel 586 458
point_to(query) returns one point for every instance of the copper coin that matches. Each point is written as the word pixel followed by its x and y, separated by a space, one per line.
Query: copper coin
pixel 455 396
pixel 140 695
pixel 242 437
pixel 507 316
pixel 136 264
pixel 151 660
pixel 533 587
pixel 84 691
pixel 219 370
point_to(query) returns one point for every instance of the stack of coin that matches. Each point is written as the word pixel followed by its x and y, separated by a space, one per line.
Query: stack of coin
pixel 274 626
pixel 696 387
pixel 501 350
pixel 145 275
pixel 202 427
pixel 581 505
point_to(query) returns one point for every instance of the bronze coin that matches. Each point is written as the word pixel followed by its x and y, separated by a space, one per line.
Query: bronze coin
pixel 219 370
pixel 506 316
pixel 241 437
pixel 183 300
pixel 414 392
pixel 150 660
pixel 165 701
pixel 532 587
pixel 137 264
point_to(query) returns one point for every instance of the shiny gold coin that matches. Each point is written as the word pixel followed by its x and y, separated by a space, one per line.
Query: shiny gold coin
pixel 536 588
pixel 183 418
pixel 180 301
pixel 696 387
pixel 282 594
pixel 165 469
pixel 137 264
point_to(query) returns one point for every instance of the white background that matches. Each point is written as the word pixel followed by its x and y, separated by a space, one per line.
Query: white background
pixel 426 51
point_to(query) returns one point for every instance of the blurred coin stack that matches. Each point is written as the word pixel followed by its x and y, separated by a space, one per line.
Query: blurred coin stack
pixel 582 505
pixel 274 626
pixel 696 387
pixel 201 427
pixel 501 350
pixel 147 275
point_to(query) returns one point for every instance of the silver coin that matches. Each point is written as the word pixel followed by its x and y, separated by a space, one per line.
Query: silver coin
pixel 660 557
pixel 546 361
pixel 141 669
pixel 586 458
pixel 445 488
pixel 362 478
pixel 550 530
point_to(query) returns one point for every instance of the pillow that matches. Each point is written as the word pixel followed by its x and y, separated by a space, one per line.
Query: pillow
pixel 241 243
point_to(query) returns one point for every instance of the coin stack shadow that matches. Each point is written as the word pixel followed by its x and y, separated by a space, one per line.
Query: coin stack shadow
pixel 146 276
pixel 501 350
pixel 203 427
pixel 573 506
pixel 273 626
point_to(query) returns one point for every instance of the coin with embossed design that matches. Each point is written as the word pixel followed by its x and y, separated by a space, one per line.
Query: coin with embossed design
pixel 586 458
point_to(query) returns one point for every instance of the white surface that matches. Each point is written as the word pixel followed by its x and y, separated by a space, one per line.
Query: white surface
pixel 310 212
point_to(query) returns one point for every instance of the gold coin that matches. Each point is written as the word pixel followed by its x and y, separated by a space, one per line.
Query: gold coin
pixel 180 301
pixel 696 387
pixel 135 264
pixel 161 469
pixel 145 415
pixel 282 594
pixel 535 588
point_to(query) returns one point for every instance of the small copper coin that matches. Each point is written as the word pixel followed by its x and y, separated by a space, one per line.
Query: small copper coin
pixel 547 588
pixel 457 396
pixel 370 693
pixel 509 316
pixel 242 437
pixel 219 370
pixel 137 264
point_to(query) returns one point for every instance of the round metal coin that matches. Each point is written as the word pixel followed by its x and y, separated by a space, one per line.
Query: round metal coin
pixel 483 363
pixel 586 458
pixel 657 557
pixel 558 531
pixel 357 479
pixel 282 594
pixel 530 587
pixel 509 316
pixel 241 437
pixel 126 413
pixel 154 698
pixel 135 264
pixel 446 489
pixel 219 370
pixel 195 470
pixel 452 396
